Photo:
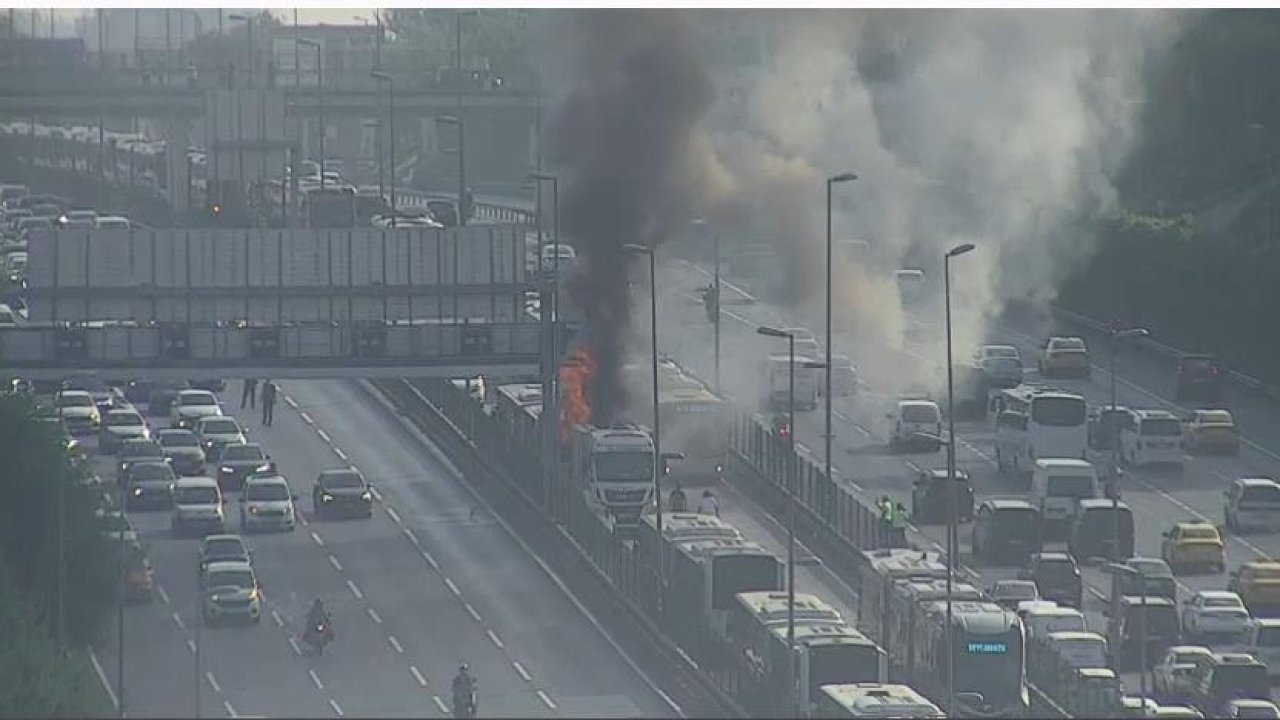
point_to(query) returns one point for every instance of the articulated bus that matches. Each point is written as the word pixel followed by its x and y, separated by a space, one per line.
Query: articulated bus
pixel 874 700
pixel 1034 422
pixel 989 651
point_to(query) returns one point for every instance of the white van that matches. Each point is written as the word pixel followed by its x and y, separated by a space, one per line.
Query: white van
pixel 1079 649
pixel 1154 437
pixel 1042 622
pixel 777 368
pixel 197 506
pixel 1058 484
pixel 1262 640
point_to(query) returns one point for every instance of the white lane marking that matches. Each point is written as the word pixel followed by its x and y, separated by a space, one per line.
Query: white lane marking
pixel 524 674
pixel 496 641
pixel 1231 537
pixel 324 435
pixel 440 704
pixel 102 678
pixel 315 679
pixel 377 494
pixel 191 646
pixel 412 537
pixel 231 712
pixel 334 562
pixel 307 419
pixel 302 519
pixel 452 588
pixel 276 617
pixel 395 517
pixel 355 590
pixel 317 539
pixel 395 643
pixel 472 612
pixel 177 620
pixel 164 596
pixel 373 615
pixel 213 682
pixel 911 465
pixel 417 675
pixel 292 403
pixel 431 561
pixel 294 644
pixel 336 707
pixel 546 699
pixel 341 455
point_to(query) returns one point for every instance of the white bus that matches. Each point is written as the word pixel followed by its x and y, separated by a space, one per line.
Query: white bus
pixel 874 700
pixel 1035 422
pixel 697 423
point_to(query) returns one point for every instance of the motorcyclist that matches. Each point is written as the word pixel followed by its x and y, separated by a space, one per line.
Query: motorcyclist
pixel 464 688
pixel 317 617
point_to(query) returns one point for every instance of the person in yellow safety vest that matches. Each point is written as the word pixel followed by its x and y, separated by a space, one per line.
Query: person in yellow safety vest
pixel 886 511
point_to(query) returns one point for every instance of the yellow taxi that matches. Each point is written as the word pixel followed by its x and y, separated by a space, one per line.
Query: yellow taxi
pixel 1257 583
pixel 1064 356
pixel 1211 431
pixel 1194 544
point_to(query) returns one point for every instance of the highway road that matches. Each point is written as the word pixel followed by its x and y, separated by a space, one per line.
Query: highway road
pixel 859 441
pixel 432 580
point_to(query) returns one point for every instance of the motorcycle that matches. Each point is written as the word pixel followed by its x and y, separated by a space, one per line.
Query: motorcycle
pixel 464 705
pixel 318 636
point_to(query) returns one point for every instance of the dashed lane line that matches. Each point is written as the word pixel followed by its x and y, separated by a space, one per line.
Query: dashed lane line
pixel 341 455
pixel 431 561
pixel 317 539
pixel 524 674
pixel 292 403
pixel 355 590
pixel 231 712
pixel 496 640
pixel 306 418
pixel 377 494
pixel 546 699
pixel 395 644
pixel 472 612
pixel 337 709
pixel 395 517
pixel 413 538
pixel 417 675
pixel 213 682
pixel 293 643
pixel 334 562
pixel 315 679
pixel 324 436
pixel 440 704
pixel 164 596
pixel 191 646
pixel 452 588
pixel 275 616
pixel 373 615
pixel 177 620
pixel 102 677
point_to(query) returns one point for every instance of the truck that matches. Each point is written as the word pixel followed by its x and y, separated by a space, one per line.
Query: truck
pixel 778 390
pixel 616 469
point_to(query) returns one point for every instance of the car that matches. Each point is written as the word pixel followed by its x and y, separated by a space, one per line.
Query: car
pixel 553 255
pixel 1133 706
pixel 120 425
pixel 1258 584
pixel 221 547
pixel 1199 377
pixel 844 377
pixel 217 431
pixel 268 503
pixel 113 222
pixel 915 423
pixel 1173 674
pixel 231 592
pixel 930 501
pixel 191 405
pixel 1064 356
pixel 139 578
pixel 1006 530
pixel 1252 708
pixel 213 385
pixel 1057 576
pixel 78 411
pixel 1000 365
pixel 183 450
pixel 1178 712
pixel 79 218
pixel 8 318
pixel 1211 431
pixel 985 352
pixel 1152 577
pixel 161 395
pixel 1154 437
pixel 1215 614
pixel 197 505
pixel 1011 593
pixel 237 462
pixel 1252 503
pixel 136 450
pixel 342 491
pixel 806 344
pixel 1224 677
pixel 117 527
pixel 148 483
pixel 104 395
pixel 1194 544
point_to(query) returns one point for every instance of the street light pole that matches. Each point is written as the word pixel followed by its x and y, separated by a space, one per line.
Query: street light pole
pixel 391 129
pixel 315 44
pixel 462 135
pixel 715 319
pixel 826 434
pixel 952 529
pixel 551 356
pixel 1116 336
pixel 120 694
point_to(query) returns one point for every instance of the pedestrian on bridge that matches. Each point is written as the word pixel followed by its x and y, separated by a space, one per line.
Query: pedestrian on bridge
pixel 708 505
pixel 268 402
pixel 899 525
pixel 248 394
pixel 678 502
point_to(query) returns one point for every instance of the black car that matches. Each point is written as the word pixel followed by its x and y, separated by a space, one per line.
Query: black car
pixel 929 497
pixel 137 392
pixel 237 462
pixel 1057 576
pixel 1105 424
pixel 137 450
pixel 161 395
pixel 1006 531
pixel 1199 378
pixel 147 484
pixel 1093 531
pixel 342 492
pixel 183 450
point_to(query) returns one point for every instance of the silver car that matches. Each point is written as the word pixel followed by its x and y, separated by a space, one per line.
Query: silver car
pixel 231 592
pixel 268 504
pixel 121 425
pixel 190 406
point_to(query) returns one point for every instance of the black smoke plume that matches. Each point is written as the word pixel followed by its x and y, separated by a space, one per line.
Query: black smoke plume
pixel 624 141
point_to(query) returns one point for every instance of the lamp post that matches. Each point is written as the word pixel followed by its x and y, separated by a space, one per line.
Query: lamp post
pixel 315 44
pixel 462 136
pixel 657 430
pixel 1118 569
pixel 791 509
pixel 462 160
pixel 715 320
pixel 120 693
pixel 550 316
pixel 826 390
pixel 391 130
pixel 952 529
pixel 1117 335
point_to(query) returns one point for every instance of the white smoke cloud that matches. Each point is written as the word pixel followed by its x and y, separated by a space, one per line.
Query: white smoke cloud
pixel 1000 128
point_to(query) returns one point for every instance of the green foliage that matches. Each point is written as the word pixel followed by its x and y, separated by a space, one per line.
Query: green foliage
pixel 36 464
pixel 497 38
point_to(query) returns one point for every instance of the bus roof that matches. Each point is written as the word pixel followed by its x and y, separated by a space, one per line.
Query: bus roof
pixel 522 393
pixel 881 700
pixel 823 632
pixel 691 526
pixel 770 607
pixel 1027 391
pixel 903 563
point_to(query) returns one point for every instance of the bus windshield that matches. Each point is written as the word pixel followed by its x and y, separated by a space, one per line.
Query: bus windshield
pixel 839 664
pixel 1058 411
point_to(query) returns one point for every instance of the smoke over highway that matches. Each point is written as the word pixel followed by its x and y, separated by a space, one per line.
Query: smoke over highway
pixel 997 128
pixel 630 89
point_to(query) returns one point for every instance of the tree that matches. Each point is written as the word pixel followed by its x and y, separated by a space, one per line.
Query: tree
pixel 36 464
pixel 494 39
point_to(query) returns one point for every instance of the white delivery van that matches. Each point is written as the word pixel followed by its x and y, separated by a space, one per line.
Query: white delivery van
pixel 778 393
pixel 1058 484
pixel 1153 438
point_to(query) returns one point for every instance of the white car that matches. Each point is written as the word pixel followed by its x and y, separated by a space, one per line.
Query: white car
pixel 1262 709
pixel 911 421
pixel 1215 613
pixel 191 405
pixel 112 222
pixel 120 425
pixel 1154 437
pixel 1252 503
pixel 8 318
pixel 78 411
pixel 1012 593
pixel 268 503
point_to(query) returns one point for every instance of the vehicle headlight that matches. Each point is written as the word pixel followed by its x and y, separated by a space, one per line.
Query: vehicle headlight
pixel 326 497
pixel 253 509
pixel 366 496
pixel 227 469
pixel 137 492
pixel 263 467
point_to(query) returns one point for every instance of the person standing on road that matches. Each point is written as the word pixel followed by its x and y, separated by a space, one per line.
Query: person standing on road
pixel 708 505
pixel 268 402
pixel 248 395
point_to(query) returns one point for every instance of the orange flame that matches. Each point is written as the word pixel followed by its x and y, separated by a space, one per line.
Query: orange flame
pixel 575 375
